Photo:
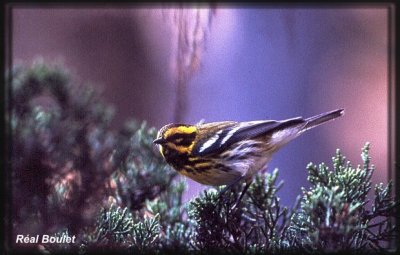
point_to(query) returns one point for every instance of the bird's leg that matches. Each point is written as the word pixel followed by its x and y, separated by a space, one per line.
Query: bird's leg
pixel 248 183
pixel 229 186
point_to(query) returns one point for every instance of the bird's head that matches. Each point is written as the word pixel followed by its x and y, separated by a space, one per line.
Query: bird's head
pixel 176 139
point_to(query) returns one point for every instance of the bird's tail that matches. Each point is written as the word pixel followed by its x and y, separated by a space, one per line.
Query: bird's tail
pixel 322 118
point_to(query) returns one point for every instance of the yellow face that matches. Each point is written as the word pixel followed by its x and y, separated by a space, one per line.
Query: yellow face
pixel 177 138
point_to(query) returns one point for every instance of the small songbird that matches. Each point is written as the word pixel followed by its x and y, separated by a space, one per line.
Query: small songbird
pixel 224 153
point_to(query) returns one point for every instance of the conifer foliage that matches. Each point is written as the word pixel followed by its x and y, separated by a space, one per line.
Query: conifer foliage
pixel 72 175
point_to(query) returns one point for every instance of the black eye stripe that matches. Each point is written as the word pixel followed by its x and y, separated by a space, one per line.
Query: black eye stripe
pixel 184 142
pixel 182 136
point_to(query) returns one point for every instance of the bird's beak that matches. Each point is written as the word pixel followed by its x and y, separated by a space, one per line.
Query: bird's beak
pixel 160 141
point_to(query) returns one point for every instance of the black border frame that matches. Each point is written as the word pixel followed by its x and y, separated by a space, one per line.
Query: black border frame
pixel 6 61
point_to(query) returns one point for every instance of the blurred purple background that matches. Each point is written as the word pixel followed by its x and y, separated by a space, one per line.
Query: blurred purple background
pixel 258 63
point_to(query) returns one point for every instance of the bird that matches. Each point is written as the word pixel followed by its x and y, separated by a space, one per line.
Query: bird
pixel 227 152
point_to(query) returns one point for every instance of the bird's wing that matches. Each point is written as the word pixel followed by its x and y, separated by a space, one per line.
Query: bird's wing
pixel 221 138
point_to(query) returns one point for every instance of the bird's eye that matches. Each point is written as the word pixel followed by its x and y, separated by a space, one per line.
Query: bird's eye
pixel 178 140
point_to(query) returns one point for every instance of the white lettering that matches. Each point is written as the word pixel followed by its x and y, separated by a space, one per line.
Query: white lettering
pixel 19 238
pixel 45 239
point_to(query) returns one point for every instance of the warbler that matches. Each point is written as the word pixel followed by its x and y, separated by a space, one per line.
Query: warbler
pixel 223 153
